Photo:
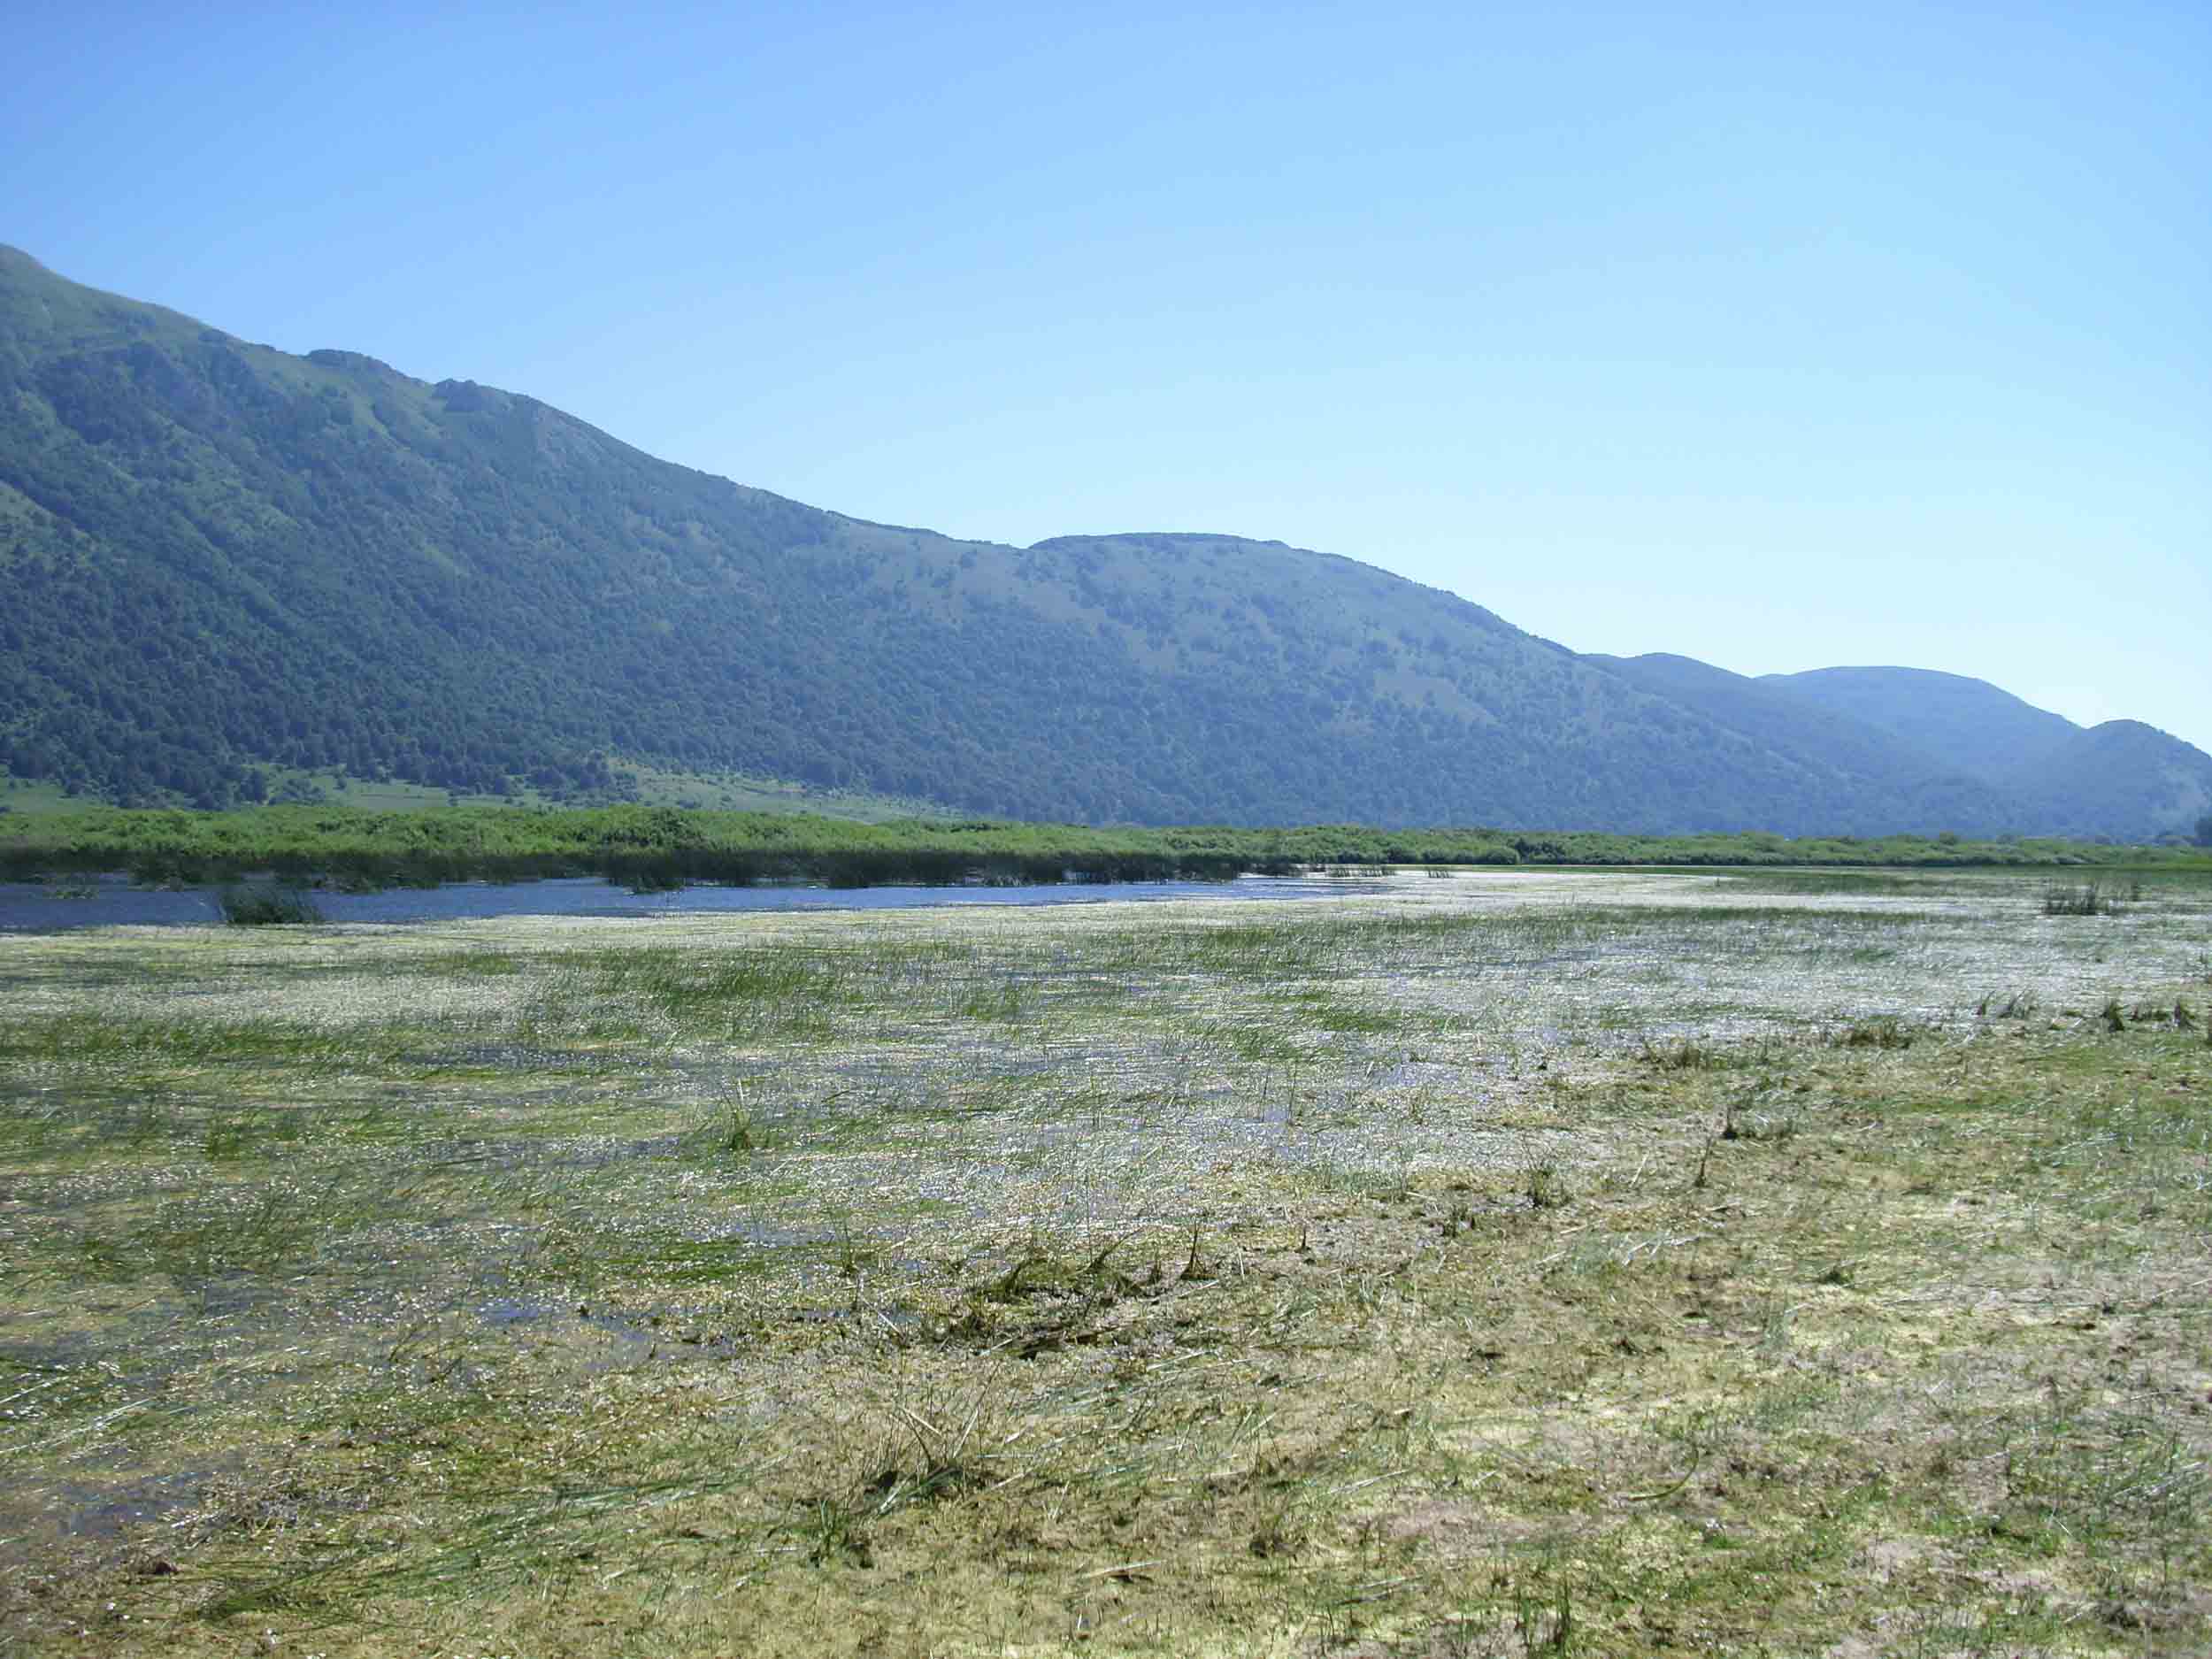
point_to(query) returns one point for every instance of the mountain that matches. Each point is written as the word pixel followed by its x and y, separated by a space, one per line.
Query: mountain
pixel 2116 778
pixel 1899 782
pixel 221 557
pixel 2121 779
pixel 1969 725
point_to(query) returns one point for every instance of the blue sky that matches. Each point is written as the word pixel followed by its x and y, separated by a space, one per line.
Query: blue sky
pixel 1778 337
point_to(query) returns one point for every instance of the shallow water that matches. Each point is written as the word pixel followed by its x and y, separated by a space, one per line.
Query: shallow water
pixel 114 901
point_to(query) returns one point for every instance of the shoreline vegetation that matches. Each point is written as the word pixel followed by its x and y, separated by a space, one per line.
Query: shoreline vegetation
pixel 671 846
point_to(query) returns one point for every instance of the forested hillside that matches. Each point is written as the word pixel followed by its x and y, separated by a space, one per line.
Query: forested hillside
pixel 221 558
pixel 1861 762
pixel 1968 726
pixel 2120 778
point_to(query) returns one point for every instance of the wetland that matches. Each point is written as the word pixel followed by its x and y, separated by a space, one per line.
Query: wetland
pixel 1790 1261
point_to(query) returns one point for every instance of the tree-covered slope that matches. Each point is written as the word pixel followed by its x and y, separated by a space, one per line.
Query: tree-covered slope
pixel 1866 771
pixel 1960 724
pixel 2116 780
pixel 2122 779
pixel 220 556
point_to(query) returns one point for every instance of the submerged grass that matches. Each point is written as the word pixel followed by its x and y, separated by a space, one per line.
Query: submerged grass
pixel 1616 1266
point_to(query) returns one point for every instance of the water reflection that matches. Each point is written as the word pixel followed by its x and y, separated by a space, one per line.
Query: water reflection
pixel 113 901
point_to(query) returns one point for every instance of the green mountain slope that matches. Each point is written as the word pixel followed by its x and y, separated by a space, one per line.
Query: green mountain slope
pixel 1962 724
pixel 2117 780
pixel 1862 765
pixel 2122 778
pixel 220 556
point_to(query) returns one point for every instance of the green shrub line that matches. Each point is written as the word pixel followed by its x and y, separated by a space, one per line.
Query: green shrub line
pixel 659 847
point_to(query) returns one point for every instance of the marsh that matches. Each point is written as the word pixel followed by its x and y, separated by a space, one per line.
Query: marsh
pixel 1492 1264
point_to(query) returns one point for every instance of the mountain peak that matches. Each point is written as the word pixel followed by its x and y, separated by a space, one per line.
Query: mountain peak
pixel 355 362
pixel 1159 538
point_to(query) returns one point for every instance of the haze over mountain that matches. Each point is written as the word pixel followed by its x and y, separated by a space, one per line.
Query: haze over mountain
pixel 1967 725
pixel 1966 751
pixel 220 556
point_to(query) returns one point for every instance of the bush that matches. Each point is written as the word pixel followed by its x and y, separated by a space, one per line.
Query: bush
pixel 257 904
pixel 2089 899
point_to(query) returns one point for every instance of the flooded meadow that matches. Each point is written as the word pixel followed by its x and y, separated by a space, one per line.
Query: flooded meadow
pixel 1496 1262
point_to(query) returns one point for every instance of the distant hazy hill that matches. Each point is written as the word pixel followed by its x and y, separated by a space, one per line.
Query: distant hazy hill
pixel 217 556
pixel 2122 778
pixel 1863 761
pixel 2113 778
pixel 1966 725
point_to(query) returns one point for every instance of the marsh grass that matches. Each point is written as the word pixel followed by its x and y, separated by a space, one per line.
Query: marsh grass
pixel 1684 1054
pixel 1857 883
pixel 1434 1276
pixel 2089 898
pixel 262 904
pixel 735 1126
pixel 1885 1032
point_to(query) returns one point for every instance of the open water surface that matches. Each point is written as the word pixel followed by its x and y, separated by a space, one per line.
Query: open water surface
pixel 114 901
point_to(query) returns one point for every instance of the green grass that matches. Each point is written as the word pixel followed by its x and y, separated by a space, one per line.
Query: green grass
pixel 22 796
pixel 2088 898
pixel 1629 1267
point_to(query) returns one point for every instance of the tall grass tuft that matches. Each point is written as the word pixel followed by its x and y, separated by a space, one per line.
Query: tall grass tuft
pixel 259 904
pixel 2089 899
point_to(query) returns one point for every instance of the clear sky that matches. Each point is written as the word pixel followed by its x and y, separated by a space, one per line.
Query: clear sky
pixel 1780 337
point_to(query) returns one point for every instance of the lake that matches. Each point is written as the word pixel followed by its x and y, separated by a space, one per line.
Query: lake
pixel 115 900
